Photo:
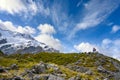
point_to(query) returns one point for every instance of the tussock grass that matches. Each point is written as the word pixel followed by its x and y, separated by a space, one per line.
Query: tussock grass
pixel 61 59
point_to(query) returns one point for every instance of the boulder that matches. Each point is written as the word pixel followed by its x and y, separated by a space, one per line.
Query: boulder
pixel 14 66
pixel 117 65
pixel 47 77
pixel 30 74
pixel 97 63
pixel 78 68
pixel 103 70
pixel 78 62
pixel 102 61
pixel 53 66
pixel 40 68
pixel 2 70
pixel 89 72
pixel 53 77
pixel 75 78
pixel 61 75
pixel 106 79
pixel 37 77
pixel 117 76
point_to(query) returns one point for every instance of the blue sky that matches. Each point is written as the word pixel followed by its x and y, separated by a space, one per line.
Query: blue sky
pixel 67 25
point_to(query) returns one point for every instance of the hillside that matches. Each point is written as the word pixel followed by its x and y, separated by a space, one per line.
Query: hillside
pixel 59 66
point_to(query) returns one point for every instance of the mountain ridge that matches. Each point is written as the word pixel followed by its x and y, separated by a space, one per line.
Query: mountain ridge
pixel 14 42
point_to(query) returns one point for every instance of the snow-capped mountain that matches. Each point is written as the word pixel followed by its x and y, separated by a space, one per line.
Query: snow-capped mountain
pixel 14 42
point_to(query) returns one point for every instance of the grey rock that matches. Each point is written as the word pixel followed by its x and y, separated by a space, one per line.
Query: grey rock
pixel 30 74
pixel 78 68
pixel 40 68
pixel 106 79
pixel 41 77
pixel 47 77
pixel 53 77
pixel 102 61
pixel 103 70
pixel 117 76
pixel 61 75
pixel 75 78
pixel 72 78
pixel 89 72
pixel 36 77
pixel 78 62
pixel 53 66
pixel 14 66
pixel 97 63
pixel 116 65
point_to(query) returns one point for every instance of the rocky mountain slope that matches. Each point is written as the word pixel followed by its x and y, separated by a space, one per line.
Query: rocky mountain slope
pixel 14 42
pixel 59 66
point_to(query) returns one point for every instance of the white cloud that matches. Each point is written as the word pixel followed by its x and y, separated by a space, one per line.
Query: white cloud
pixel 7 25
pixel 115 28
pixel 26 30
pixel 107 47
pixel 106 41
pixel 26 8
pixel 45 36
pixel 32 7
pixel 111 48
pixel 59 16
pixel 49 40
pixel 42 9
pixel 46 29
pixel 12 6
pixel 29 8
pixel 85 47
pixel 95 12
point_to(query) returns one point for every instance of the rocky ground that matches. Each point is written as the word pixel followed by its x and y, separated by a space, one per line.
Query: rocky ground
pixel 92 66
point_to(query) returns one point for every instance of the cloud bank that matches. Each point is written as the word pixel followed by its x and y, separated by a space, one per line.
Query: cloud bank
pixel 108 47
pixel 26 8
pixel 46 29
pixel 85 47
pixel 12 6
pixel 7 25
pixel 46 36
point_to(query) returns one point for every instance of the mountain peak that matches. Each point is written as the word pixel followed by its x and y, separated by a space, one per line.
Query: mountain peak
pixel 13 42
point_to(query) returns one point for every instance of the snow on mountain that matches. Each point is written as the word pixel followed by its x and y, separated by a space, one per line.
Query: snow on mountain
pixel 14 42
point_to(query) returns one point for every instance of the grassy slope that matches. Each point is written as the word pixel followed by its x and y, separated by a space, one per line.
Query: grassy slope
pixel 61 59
